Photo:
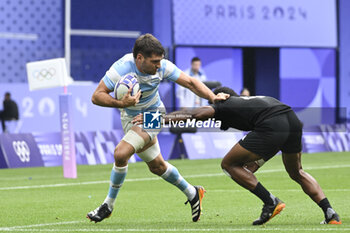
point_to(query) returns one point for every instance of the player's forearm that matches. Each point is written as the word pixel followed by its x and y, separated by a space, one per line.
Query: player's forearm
pixel 178 116
pixel 201 90
pixel 105 100
pixel 202 113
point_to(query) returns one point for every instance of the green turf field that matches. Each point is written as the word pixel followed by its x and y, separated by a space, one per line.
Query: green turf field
pixel 39 199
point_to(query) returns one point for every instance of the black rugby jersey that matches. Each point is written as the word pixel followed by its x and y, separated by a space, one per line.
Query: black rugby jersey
pixel 245 113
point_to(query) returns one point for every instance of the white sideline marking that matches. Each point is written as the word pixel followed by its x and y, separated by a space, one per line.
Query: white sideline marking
pixel 306 169
pixel 181 230
pixel 13 228
pixel 155 178
pixel 99 182
pixel 275 190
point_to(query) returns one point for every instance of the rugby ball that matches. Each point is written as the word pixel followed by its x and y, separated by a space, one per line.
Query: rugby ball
pixel 124 85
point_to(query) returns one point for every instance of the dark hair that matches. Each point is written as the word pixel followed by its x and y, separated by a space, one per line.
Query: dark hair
pixel 226 90
pixel 195 59
pixel 8 94
pixel 147 45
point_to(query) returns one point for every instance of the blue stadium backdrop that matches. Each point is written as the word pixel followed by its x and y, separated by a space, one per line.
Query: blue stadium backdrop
pixel 308 83
pixel 30 30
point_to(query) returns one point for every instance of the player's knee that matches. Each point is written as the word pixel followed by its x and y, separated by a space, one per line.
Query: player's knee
pixel 158 168
pixel 121 155
pixel 225 166
pixel 296 175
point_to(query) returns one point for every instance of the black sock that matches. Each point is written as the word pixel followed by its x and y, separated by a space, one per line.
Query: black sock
pixel 261 192
pixel 324 204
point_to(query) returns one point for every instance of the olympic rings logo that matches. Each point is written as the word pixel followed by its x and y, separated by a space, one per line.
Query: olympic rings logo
pixel 22 150
pixel 45 74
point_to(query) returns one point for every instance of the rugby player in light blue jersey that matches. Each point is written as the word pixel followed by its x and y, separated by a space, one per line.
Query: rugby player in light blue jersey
pixel 148 65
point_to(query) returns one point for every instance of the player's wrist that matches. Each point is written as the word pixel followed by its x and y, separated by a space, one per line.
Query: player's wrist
pixel 120 104
pixel 212 98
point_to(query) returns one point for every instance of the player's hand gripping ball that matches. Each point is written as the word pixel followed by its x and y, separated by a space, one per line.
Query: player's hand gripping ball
pixel 123 86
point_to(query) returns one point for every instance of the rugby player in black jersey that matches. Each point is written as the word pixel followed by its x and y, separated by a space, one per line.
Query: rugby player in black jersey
pixel 273 127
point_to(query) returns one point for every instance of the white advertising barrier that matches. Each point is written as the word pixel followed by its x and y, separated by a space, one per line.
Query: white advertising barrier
pixel 47 74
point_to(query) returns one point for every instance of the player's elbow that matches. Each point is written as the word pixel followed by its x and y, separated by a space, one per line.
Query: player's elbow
pixel 94 98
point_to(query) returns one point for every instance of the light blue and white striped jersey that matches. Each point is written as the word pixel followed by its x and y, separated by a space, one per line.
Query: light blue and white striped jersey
pixel 148 83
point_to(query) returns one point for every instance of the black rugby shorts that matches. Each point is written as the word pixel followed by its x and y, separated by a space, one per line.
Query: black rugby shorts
pixel 282 132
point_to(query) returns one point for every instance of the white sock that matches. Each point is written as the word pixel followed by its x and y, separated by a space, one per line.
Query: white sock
pixel 173 176
pixel 117 179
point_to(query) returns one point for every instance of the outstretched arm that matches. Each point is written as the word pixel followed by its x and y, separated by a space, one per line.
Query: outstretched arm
pixel 199 88
pixel 202 113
